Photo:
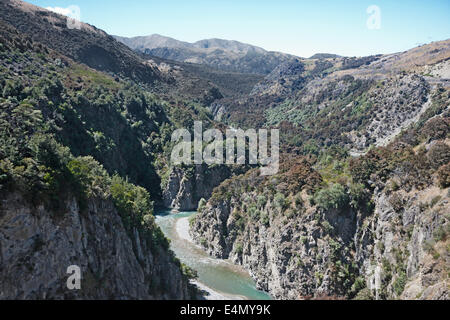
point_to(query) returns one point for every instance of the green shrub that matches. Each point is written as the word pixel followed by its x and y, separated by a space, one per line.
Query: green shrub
pixel 280 201
pixel 136 210
pixel 265 220
pixel 360 198
pixel 441 233
pixel 188 272
pixel 364 295
pixel 400 283
pixel 201 204
pixel 327 227
pixel 298 201
pixel 192 220
pixel 129 199
pixel 439 155
pixel 240 223
pixel 253 212
pixel 90 176
pixel 435 201
pixel 333 197
pixel 397 202
pixel 261 201
pixel 358 286
pixel 444 176
pixel 239 248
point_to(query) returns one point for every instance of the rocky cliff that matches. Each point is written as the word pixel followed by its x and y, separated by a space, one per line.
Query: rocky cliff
pixel 187 186
pixel 38 245
pixel 382 235
pixel 337 253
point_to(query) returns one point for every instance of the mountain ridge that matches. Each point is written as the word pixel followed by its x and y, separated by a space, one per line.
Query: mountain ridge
pixel 225 55
pixel 159 41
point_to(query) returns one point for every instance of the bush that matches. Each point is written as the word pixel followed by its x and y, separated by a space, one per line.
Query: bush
pixel 201 204
pixel 12 88
pixel 253 212
pixel 239 248
pixel 298 201
pixel 362 168
pixel 360 198
pixel 436 129
pixel 397 202
pixel 265 220
pixel 439 155
pixel 132 202
pixel 49 153
pixel 441 233
pixel 333 197
pixel 400 283
pixel 444 176
pixel 280 201
pixel 261 201
pixel 365 295
pixel 188 272
pixel 90 176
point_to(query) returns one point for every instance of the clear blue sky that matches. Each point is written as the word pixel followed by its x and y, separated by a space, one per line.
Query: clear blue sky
pixel 298 27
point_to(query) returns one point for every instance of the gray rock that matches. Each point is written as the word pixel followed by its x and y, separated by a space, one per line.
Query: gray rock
pixel 37 246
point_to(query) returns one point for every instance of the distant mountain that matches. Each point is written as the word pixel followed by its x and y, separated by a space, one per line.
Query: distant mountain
pixel 325 56
pixel 98 50
pixel 151 42
pixel 224 55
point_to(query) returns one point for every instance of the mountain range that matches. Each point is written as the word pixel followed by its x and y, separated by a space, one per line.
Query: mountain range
pixel 221 54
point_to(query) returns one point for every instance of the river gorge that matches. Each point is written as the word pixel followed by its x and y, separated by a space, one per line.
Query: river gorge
pixel 220 278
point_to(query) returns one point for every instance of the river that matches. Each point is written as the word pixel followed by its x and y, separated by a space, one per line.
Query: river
pixel 221 278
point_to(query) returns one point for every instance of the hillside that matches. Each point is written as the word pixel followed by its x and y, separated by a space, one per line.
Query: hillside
pixel 225 55
pixel 72 141
pixel 95 48
pixel 87 45
pixel 338 227
pixel 197 82
pixel 350 102
pixel 360 207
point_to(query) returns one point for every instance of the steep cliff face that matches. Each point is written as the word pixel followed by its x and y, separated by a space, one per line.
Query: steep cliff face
pixel 37 246
pixel 288 256
pixel 187 186
pixel 377 228
pixel 392 254
pixel 403 247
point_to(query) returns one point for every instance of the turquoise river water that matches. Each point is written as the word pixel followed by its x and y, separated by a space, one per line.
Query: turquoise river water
pixel 223 277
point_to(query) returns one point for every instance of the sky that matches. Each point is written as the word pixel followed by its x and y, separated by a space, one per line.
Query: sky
pixel 299 27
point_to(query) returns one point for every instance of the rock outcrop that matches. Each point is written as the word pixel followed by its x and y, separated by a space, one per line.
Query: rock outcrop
pixel 37 246
pixel 336 253
pixel 187 186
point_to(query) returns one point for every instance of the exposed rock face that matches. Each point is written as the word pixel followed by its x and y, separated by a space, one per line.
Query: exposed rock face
pixel 37 247
pixel 284 79
pixel 187 186
pixel 335 253
pixel 400 242
pixel 399 103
